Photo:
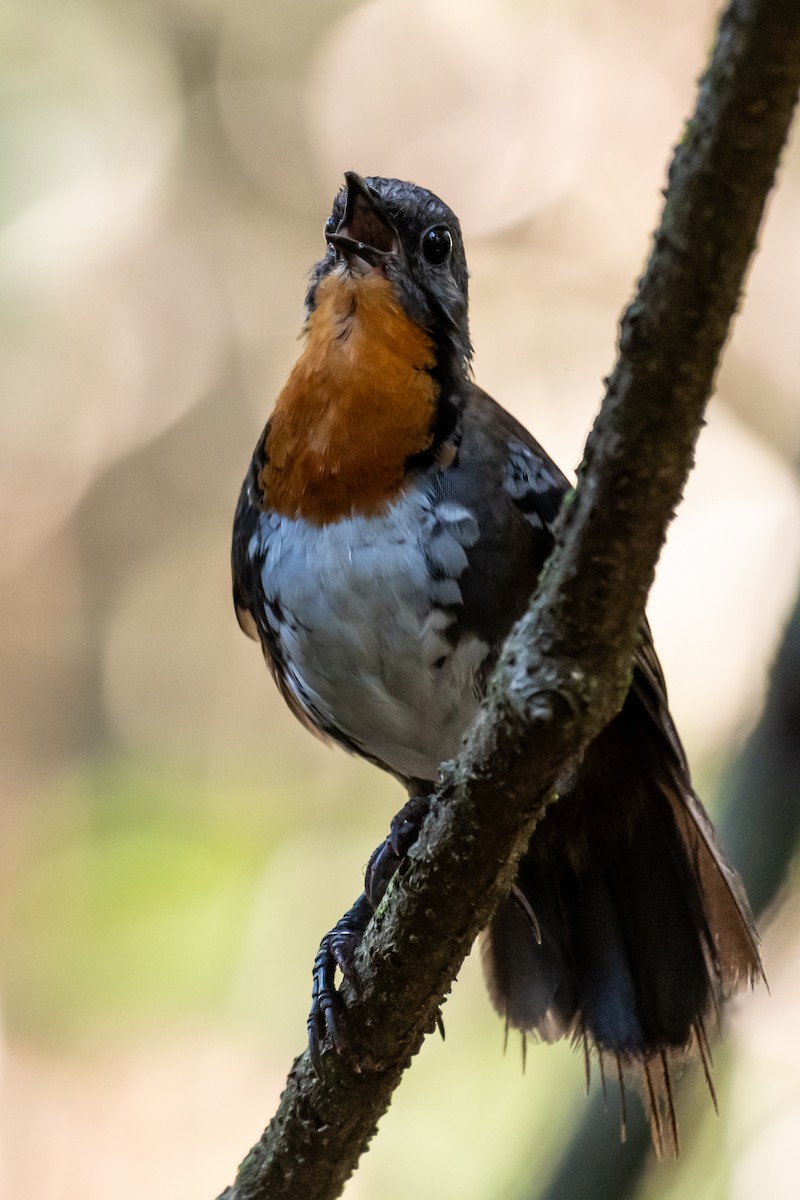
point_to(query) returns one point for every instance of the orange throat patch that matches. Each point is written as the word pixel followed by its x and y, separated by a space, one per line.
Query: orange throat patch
pixel 358 403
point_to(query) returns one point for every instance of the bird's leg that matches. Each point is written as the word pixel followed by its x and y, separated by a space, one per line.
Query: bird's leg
pixel 338 948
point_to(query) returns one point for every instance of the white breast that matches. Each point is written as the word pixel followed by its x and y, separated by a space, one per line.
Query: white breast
pixel 360 609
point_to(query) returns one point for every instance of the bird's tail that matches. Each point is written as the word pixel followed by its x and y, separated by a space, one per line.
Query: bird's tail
pixel 628 926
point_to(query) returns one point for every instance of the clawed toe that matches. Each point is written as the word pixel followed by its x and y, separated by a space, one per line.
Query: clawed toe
pixel 406 824
pixel 337 950
pixel 387 858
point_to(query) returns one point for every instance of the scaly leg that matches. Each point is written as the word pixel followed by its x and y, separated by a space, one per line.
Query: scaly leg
pixel 337 948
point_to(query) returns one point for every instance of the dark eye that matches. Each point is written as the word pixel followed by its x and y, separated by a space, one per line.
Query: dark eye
pixel 437 244
pixel 331 225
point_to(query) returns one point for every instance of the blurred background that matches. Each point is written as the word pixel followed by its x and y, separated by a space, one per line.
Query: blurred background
pixel 172 844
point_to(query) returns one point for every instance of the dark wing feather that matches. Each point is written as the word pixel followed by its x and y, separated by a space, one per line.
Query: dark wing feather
pixel 243 572
pixel 257 616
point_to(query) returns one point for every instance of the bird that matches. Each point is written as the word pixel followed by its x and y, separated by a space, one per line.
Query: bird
pixel 390 530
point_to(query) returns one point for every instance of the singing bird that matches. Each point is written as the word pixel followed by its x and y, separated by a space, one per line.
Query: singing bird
pixel 390 530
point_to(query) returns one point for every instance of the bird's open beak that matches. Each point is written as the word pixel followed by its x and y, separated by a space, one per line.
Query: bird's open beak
pixel 364 232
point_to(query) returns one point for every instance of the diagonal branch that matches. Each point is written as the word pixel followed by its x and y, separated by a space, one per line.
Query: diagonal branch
pixel 566 666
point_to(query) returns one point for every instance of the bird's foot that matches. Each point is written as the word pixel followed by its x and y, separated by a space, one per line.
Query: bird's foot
pixel 403 832
pixel 337 949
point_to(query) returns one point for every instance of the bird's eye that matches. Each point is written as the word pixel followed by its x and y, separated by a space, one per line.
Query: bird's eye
pixel 437 244
pixel 331 225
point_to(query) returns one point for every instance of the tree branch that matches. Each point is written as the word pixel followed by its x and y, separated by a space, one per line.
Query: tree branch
pixel 566 666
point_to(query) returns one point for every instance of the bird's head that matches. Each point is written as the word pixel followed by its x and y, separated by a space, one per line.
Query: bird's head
pixel 410 237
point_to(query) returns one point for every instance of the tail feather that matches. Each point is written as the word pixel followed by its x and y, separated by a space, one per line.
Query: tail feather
pixel 645 927
pixel 725 902
pixel 529 981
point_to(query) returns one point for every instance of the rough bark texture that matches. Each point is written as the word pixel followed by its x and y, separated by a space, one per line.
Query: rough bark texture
pixel 566 666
